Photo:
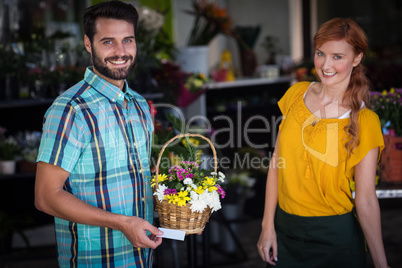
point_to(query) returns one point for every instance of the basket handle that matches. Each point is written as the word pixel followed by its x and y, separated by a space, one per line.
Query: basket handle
pixel 178 137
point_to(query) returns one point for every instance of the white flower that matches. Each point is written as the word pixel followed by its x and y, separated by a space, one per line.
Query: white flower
pixel 221 177
pixel 159 192
pixel 151 20
pixel 188 181
pixel 198 204
pixel 212 200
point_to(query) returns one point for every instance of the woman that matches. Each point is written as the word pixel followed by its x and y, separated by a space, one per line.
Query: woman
pixel 327 140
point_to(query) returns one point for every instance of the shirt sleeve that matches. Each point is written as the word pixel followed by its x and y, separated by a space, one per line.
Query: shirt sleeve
pixel 289 97
pixel 62 136
pixel 370 136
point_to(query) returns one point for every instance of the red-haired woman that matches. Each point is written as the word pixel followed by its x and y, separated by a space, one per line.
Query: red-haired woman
pixel 327 140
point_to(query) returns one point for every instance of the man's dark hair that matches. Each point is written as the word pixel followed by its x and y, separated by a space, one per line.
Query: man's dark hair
pixel 110 9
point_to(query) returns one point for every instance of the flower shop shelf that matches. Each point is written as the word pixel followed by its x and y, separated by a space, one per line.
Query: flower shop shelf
pixel 24 103
pixel 249 82
pixel 387 192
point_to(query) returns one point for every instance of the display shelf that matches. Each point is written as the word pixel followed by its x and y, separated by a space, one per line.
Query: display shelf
pixel 246 82
pixel 387 191
pixel 4 104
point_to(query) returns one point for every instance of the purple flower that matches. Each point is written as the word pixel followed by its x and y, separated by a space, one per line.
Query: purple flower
pixel 169 191
pixel 221 191
pixel 375 93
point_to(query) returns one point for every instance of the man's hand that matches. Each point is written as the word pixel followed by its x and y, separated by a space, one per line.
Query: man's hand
pixel 135 229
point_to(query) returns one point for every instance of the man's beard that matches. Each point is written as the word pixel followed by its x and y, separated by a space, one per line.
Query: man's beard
pixel 115 74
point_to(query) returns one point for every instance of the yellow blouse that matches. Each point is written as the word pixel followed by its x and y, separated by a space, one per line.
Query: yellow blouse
pixel 314 172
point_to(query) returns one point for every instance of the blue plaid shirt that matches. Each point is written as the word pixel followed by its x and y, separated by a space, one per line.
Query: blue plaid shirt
pixel 106 149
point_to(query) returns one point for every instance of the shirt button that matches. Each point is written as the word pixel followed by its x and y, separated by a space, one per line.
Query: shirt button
pixel 140 171
pixel 142 199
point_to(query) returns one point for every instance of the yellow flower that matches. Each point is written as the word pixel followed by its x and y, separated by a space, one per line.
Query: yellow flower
pixel 161 177
pixel 209 181
pixel 182 198
pixel 392 90
pixel 172 198
pixel 199 190
pixel 199 152
pixel 212 188
pixel 194 142
pixel 384 92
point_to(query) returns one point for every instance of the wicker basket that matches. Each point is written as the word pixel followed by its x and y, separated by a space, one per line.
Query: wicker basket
pixel 182 218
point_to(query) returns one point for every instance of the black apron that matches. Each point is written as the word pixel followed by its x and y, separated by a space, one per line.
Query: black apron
pixel 328 241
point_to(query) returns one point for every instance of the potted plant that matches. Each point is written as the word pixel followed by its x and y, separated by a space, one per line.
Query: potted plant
pixel 388 105
pixel 210 20
pixel 8 153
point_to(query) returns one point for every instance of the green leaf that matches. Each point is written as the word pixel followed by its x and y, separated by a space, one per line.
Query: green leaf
pixel 178 186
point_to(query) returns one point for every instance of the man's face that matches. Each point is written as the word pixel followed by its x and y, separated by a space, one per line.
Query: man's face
pixel 113 49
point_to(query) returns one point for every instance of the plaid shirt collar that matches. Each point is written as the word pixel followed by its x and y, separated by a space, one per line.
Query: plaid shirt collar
pixel 110 91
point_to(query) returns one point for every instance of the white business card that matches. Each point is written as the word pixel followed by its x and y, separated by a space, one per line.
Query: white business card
pixel 172 234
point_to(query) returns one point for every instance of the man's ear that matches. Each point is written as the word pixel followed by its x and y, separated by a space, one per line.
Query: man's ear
pixel 357 59
pixel 87 43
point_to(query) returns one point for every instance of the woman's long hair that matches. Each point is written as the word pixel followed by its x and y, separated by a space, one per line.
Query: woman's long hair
pixel 358 89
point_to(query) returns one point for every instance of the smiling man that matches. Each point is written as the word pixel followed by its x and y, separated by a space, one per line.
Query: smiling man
pixel 93 163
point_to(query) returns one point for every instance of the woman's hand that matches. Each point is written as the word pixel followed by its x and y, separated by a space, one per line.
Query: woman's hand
pixel 267 246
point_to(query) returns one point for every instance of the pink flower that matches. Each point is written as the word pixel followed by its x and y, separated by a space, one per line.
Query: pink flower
pixel 221 191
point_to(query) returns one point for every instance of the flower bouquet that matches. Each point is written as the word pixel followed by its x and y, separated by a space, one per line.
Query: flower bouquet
pixel 187 194
pixel 210 20
pixel 193 88
pixel 179 87
pixel 388 106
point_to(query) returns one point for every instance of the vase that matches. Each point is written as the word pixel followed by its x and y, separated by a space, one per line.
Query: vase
pixel 7 167
pixel 193 59
pixel 391 160
pixel 248 61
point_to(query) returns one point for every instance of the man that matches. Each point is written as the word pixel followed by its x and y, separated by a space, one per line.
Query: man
pixel 93 163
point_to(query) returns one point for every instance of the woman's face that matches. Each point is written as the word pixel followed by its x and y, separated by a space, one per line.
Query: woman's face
pixel 334 62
